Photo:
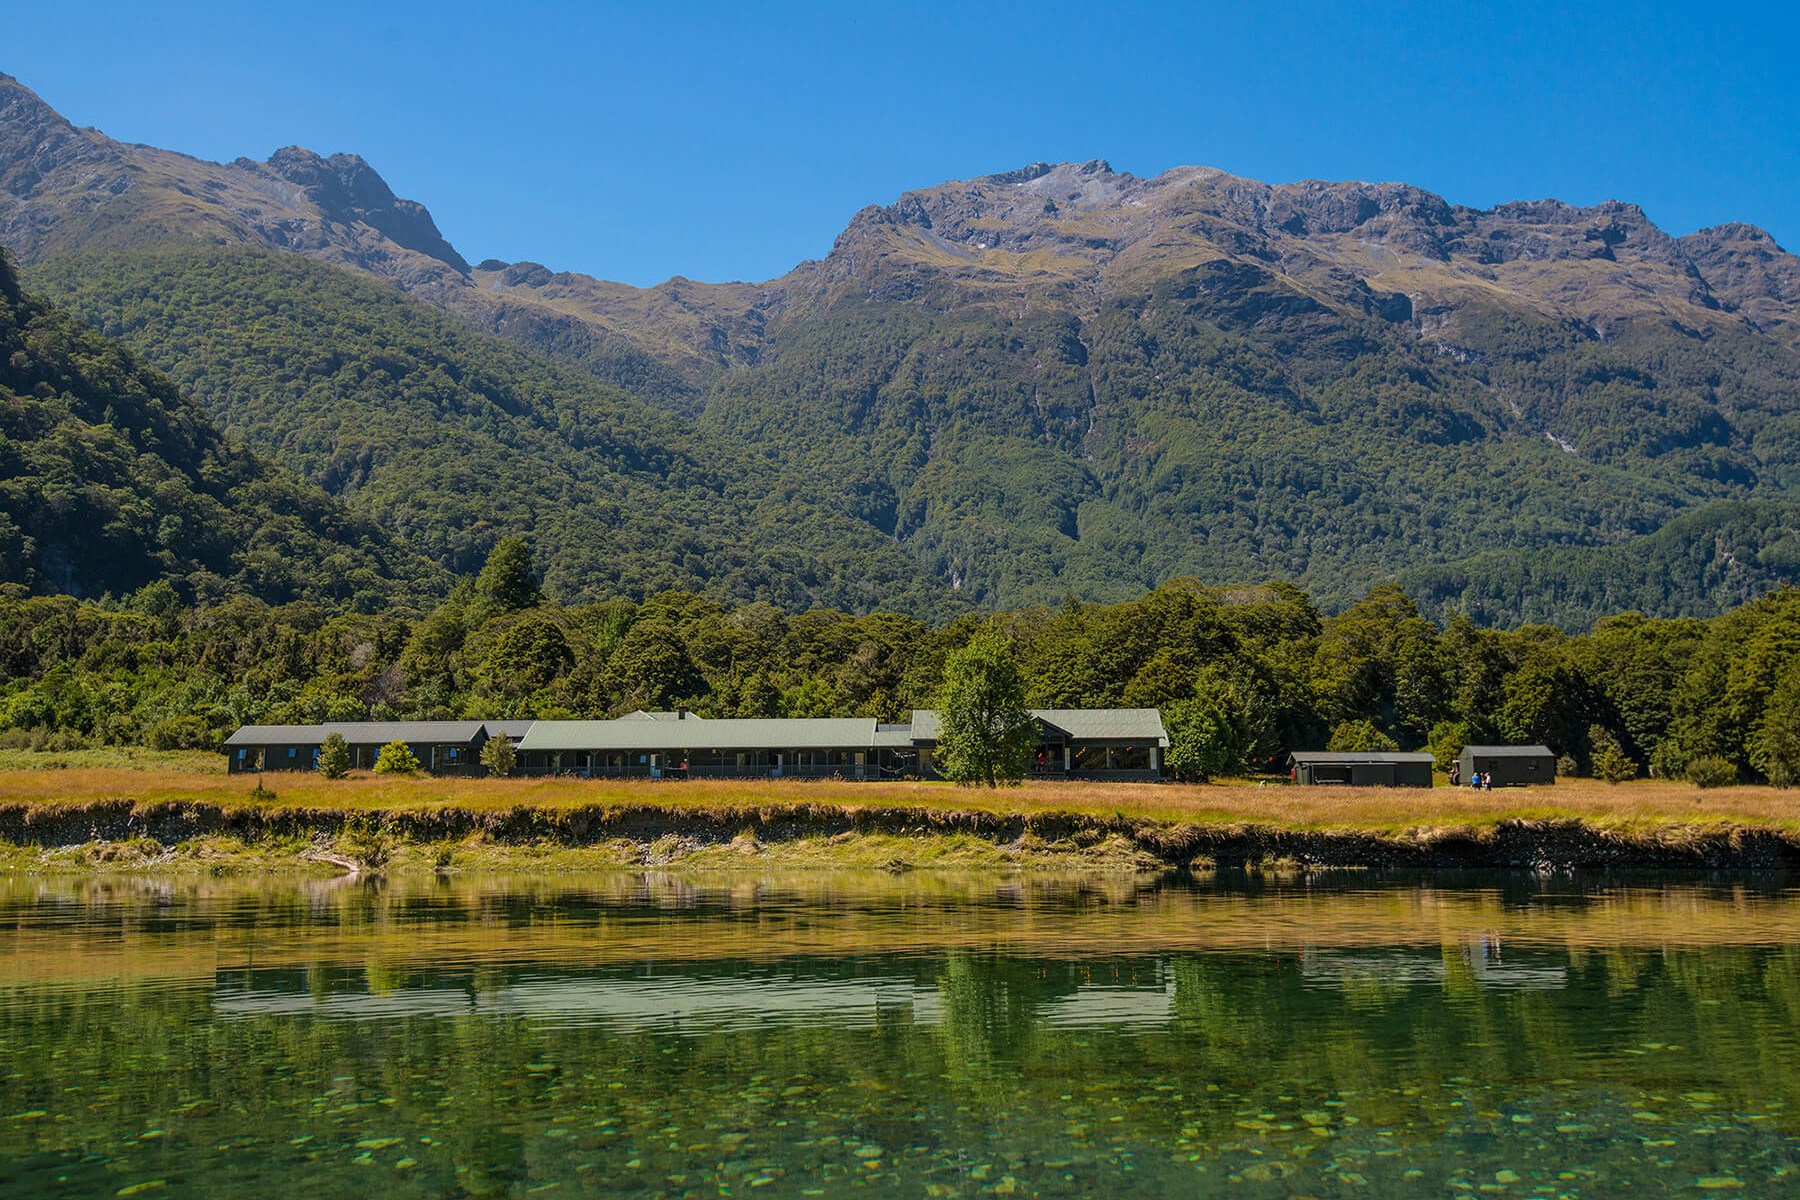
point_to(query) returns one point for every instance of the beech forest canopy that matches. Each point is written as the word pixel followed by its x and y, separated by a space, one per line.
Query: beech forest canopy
pixel 451 438
pixel 992 393
pixel 894 459
pixel 1251 672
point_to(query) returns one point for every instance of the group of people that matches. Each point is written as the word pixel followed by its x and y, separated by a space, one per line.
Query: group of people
pixel 1480 780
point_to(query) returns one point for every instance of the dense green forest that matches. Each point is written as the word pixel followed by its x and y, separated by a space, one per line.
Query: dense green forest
pixel 1705 561
pixel 1222 423
pixel 994 392
pixel 1244 673
pixel 924 458
pixel 111 479
pixel 451 438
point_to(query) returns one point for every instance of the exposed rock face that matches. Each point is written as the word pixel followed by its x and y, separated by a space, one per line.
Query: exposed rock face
pixel 63 189
pixel 1747 272
pixel 36 142
pixel 347 190
pixel 1085 229
pixel 1068 234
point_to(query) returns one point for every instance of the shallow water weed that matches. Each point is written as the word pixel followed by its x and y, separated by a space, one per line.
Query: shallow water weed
pixel 651 1035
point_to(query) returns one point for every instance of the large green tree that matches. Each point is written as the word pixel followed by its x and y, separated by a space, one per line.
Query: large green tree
pixel 988 734
pixel 507 582
pixel 1776 751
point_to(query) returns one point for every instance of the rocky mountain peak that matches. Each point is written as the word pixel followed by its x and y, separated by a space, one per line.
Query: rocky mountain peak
pixel 1748 270
pixel 349 191
pixel 36 140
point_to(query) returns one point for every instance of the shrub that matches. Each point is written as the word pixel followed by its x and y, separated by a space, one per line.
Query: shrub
pixel 369 844
pixel 1567 767
pixel 498 756
pixel 396 758
pixel 1711 771
pixel 334 757
pixel 1611 763
pixel 183 733
pixel 1446 741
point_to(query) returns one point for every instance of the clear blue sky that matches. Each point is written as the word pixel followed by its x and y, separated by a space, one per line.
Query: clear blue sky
pixel 730 141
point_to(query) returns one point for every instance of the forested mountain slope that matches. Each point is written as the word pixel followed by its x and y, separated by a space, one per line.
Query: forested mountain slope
pixel 65 189
pixel 1199 374
pixel 1069 380
pixel 110 479
pixel 451 438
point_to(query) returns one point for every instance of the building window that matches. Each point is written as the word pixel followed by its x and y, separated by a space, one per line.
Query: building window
pixel 1130 758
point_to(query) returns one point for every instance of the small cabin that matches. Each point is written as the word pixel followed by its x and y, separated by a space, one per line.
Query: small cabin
pixel 1509 766
pixel 1362 768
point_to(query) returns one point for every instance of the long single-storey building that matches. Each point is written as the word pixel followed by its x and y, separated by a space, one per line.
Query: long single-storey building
pixel 1508 766
pixel 1362 768
pixel 689 746
pixel 1119 744
pixel 442 747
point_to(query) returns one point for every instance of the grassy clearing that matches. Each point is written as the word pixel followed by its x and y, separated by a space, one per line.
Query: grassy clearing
pixel 147 778
pixel 128 758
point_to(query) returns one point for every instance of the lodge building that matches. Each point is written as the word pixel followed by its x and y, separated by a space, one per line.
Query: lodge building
pixel 1112 744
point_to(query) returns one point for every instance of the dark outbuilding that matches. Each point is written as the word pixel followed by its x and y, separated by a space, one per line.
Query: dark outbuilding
pixel 1362 768
pixel 1508 766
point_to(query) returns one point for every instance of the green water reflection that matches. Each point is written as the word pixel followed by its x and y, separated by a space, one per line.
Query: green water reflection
pixel 649 1036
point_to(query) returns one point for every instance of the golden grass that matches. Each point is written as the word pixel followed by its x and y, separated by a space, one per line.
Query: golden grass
pixel 137 758
pixel 1638 805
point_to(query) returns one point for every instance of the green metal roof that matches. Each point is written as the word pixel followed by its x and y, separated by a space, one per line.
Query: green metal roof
pixel 1360 756
pixel 821 733
pixel 1509 751
pixel 1079 724
pixel 358 733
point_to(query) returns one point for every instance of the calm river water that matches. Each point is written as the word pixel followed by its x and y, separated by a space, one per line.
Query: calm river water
pixel 923 1036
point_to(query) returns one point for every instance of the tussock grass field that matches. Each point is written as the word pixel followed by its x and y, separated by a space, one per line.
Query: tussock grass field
pixel 44 779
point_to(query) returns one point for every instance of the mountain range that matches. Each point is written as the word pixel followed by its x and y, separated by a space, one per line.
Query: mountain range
pixel 1057 381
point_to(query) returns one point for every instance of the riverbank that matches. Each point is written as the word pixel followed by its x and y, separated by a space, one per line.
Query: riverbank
pixel 174 814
